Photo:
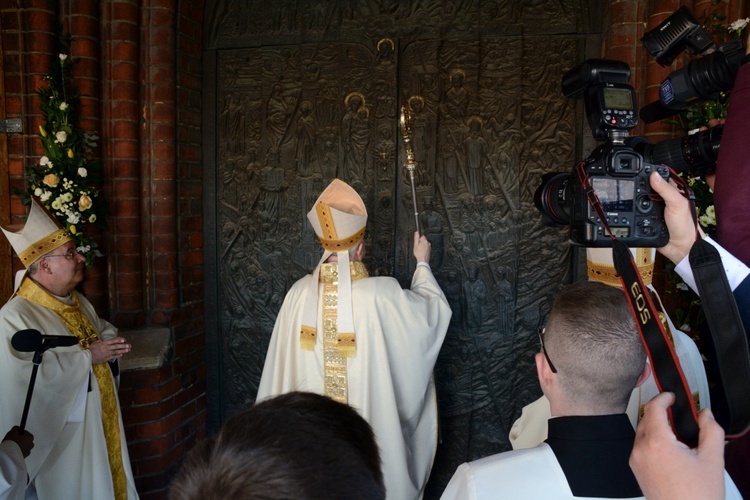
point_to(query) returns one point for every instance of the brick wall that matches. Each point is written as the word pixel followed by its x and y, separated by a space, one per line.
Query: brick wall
pixel 138 67
pixel 139 70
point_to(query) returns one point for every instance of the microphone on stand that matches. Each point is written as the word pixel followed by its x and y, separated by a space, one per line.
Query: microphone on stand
pixel 32 340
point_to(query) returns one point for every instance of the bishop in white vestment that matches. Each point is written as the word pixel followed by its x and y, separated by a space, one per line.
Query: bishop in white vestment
pixel 364 341
pixel 80 449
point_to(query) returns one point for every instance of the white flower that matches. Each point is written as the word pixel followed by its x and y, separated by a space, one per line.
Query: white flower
pixel 739 24
pixel 44 161
pixel 45 196
pixel 38 192
pixel 56 204
pixel 92 218
pixel 83 172
pixel 67 197
pixel 63 57
pixel 61 136
pixel 73 217
pixel 63 106
pixel 707 219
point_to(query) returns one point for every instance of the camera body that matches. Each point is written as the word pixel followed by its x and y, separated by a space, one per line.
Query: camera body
pixel 617 171
pixel 620 179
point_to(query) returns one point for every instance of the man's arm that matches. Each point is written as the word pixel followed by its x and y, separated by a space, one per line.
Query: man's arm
pixel 681 238
pixel 682 235
pixel 422 249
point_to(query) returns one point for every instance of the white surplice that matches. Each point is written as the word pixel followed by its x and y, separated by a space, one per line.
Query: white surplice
pixel 69 458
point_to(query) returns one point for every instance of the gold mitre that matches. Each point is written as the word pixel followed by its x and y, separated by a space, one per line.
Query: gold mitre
pixel 601 267
pixel 339 217
pixel 41 234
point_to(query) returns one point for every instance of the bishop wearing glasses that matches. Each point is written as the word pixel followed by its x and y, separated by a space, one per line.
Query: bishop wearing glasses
pixel 74 415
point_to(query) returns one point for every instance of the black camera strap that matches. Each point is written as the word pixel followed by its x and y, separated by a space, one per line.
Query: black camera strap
pixel 665 364
pixel 727 333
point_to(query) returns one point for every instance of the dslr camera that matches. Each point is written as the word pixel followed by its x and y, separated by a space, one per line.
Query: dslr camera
pixel 617 170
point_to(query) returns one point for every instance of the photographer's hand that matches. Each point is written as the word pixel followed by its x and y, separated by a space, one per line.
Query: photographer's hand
pixel 678 218
pixel 665 467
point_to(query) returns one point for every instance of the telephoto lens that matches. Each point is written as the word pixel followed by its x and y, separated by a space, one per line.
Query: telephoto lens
pixel 694 154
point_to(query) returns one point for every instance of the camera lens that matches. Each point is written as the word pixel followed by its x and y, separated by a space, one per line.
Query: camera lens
pixel 552 198
pixel 695 154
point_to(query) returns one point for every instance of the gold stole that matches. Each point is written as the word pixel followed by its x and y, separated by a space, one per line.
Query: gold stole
pixel 79 325
pixel 334 360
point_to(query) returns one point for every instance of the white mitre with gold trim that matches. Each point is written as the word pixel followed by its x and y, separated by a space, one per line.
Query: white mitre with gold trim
pixel 601 266
pixel 339 218
pixel 41 234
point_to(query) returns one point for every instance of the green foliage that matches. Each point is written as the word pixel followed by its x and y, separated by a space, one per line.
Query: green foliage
pixel 65 178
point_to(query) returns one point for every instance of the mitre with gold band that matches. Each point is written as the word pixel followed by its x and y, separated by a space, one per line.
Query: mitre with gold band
pixel 41 234
pixel 339 218
pixel 601 267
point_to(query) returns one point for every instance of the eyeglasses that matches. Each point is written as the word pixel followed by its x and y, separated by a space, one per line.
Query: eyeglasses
pixel 69 255
pixel 540 332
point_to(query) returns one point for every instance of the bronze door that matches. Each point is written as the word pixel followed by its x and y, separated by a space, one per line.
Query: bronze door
pixel 310 91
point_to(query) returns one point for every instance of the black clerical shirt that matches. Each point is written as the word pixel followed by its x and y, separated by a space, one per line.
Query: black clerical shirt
pixel 593 453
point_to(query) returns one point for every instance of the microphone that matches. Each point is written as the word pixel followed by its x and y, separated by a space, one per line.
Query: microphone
pixel 31 340
pixel 657 111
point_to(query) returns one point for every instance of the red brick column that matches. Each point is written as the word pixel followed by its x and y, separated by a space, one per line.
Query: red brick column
pixel 82 23
pixel 158 150
pixel 122 160
pixel 37 26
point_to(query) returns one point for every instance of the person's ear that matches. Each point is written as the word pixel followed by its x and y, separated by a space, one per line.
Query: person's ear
pixel 645 374
pixel 360 253
pixel 543 370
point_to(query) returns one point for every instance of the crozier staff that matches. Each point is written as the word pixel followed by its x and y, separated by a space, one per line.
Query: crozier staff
pixel 411 164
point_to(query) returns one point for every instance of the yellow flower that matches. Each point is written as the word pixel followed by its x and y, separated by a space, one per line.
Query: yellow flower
pixel 51 180
pixel 84 203
pixel 41 131
pixel 70 154
pixel 72 229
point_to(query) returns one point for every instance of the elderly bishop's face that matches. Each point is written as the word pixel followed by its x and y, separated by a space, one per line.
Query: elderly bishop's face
pixel 66 266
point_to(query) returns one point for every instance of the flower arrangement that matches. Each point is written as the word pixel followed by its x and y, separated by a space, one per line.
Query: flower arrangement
pixel 64 178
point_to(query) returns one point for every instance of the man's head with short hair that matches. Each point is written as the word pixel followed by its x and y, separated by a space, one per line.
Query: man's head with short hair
pixel 593 342
pixel 297 445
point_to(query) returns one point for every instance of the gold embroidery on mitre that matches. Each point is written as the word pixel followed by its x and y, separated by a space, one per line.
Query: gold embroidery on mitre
pixel 340 245
pixel 44 246
pixel 307 337
pixel 606 273
pixel 327 225
pixel 79 325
